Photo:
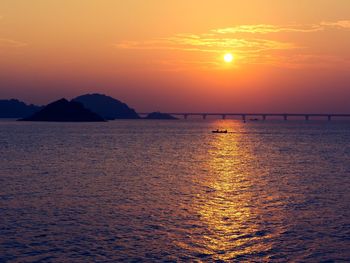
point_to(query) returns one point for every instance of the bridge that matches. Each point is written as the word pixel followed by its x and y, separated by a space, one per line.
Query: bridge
pixel 264 116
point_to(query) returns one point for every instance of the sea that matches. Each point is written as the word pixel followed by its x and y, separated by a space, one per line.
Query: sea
pixel 172 191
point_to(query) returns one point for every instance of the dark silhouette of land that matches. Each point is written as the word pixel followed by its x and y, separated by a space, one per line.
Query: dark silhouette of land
pixel 103 107
pixel 160 116
pixel 107 107
pixel 65 111
pixel 16 109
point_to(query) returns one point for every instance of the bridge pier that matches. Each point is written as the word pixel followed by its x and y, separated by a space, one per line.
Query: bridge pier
pixel 243 118
pixel 223 116
pixel 185 116
pixel 329 117
pixel 264 117
pixel 285 117
pixel 204 116
pixel 307 117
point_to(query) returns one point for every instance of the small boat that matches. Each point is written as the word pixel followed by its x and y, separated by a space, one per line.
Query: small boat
pixel 255 119
pixel 219 131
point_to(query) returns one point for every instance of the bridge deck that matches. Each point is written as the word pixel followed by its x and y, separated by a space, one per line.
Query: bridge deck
pixel 285 116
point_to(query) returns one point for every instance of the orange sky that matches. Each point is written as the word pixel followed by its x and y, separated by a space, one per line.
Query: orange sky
pixel 290 55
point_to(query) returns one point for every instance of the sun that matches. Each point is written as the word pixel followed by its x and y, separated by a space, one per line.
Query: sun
pixel 228 58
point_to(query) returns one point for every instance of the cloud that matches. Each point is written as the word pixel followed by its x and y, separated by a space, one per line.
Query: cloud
pixel 251 44
pixel 10 43
pixel 341 24
pixel 266 28
pixel 220 44
pixel 207 43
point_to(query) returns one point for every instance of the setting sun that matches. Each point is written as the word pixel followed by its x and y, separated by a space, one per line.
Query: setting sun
pixel 228 57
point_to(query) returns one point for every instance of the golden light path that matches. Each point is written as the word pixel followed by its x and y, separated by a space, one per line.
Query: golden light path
pixel 229 207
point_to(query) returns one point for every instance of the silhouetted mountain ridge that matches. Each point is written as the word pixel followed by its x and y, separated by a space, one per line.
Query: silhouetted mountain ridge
pixel 102 106
pixel 14 108
pixel 65 111
pixel 107 107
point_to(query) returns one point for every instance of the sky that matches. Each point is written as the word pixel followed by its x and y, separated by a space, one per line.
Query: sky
pixel 168 55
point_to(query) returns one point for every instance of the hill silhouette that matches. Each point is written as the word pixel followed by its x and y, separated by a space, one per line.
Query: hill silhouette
pixel 64 111
pixel 102 106
pixel 107 107
pixel 16 109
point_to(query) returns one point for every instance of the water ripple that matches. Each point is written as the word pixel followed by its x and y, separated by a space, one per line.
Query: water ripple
pixel 266 192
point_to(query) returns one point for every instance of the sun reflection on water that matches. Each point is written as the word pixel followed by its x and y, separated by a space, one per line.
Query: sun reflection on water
pixel 226 205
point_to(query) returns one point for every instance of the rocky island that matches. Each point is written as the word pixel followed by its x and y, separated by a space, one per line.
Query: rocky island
pixel 64 111
pixel 88 107
pixel 16 109
pixel 107 107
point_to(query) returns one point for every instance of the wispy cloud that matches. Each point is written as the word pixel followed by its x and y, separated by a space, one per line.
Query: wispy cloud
pixel 341 24
pixel 8 43
pixel 266 28
pixel 256 44
pixel 204 44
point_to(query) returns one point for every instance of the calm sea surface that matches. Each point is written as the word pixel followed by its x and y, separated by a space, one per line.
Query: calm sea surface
pixel 155 191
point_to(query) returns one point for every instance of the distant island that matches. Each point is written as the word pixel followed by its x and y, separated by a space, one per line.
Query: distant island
pixel 87 107
pixel 107 107
pixel 64 111
pixel 16 109
pixel 160 116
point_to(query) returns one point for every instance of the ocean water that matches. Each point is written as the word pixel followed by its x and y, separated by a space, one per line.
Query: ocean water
pixel 171 191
